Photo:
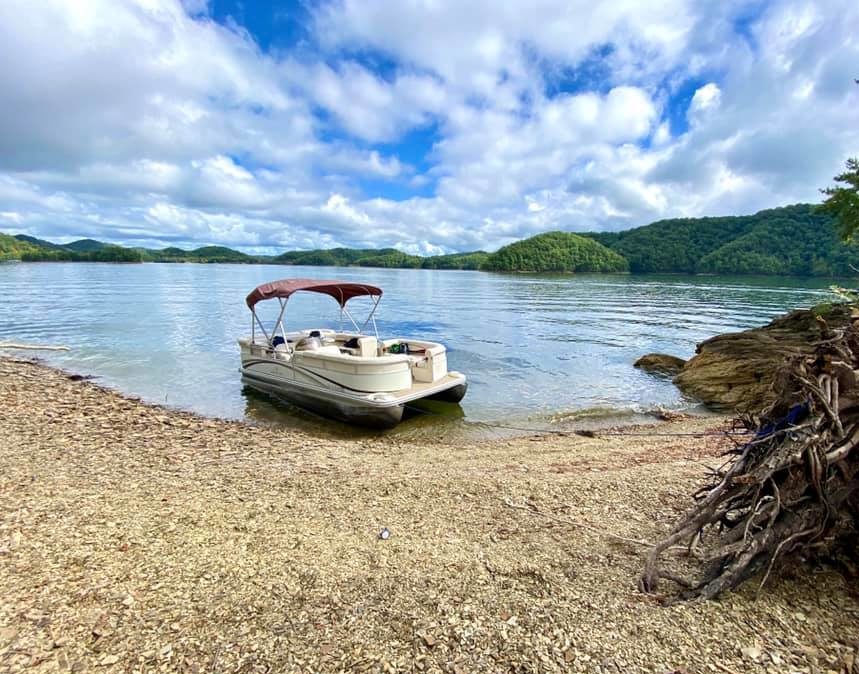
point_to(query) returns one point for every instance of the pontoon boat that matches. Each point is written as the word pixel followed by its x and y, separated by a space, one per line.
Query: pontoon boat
pixel 352 376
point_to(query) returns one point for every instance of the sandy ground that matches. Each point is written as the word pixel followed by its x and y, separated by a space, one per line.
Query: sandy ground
pixel 135 538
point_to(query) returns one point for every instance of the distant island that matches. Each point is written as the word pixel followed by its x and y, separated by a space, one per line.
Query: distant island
pixel 794 240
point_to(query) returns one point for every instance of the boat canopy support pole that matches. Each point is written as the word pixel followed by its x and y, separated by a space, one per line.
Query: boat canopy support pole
pixel 344 310
pixel 280 320
pixel 372 316
pixel 261 326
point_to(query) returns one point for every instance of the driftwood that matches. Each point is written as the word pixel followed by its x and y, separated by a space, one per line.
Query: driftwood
pixel 790 493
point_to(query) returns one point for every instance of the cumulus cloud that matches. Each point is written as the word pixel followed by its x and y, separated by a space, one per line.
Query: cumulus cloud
pixel 474 45
pixel 430 126
pixel 705 101
pixel 365 105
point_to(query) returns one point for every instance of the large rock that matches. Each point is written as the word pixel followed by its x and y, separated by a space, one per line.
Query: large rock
pixel 660 363
pixel 735 371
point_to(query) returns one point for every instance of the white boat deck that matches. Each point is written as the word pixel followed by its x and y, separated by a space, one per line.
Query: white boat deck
pixel 420 388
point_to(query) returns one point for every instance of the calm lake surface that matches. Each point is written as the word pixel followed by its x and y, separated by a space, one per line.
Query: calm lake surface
pixel 539 351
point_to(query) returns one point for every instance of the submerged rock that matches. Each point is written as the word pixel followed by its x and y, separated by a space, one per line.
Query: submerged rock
pixel 735 371
pixel 660 363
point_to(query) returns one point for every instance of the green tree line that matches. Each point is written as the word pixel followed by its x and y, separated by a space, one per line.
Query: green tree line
pixel 799 240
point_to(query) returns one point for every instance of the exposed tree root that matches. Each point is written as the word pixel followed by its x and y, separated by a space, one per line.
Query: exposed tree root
pixel 790 493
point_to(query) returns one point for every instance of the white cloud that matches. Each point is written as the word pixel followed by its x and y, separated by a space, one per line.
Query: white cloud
pixel 142 120
pixel 370 163
pixel 705 100
pixel 196 7
pixel 339 206
pixel 662 135
pixel 12 217
pixel 473 45
pixel 755 143
pixel 363 103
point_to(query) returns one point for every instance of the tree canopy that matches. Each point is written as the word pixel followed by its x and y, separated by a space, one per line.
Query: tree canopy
pixel 380 257
pixel 558 252
pixel 106 253
pixel 843 202
pixel 797 240
pixel 12 248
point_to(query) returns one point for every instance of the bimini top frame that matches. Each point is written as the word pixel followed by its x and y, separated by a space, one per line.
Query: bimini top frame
pixel 281 290
pixel 339 290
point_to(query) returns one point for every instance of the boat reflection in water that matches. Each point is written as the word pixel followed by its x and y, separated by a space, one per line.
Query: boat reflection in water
pixel 426 419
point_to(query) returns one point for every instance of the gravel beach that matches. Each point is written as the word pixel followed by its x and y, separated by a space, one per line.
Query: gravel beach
pixel 135 538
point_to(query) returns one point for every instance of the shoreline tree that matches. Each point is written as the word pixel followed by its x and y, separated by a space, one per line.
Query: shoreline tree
pixel 843 202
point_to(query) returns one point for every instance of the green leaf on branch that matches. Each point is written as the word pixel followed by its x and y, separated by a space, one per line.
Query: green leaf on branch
pixel 843 202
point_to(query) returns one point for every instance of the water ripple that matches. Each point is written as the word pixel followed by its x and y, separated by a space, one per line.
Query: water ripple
pixel 533 346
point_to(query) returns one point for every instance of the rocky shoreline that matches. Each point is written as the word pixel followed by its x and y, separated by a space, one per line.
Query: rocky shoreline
pixel 138 538
pixel 735 371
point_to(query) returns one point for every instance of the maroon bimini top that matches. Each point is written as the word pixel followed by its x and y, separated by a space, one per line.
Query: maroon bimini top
pixel 339 290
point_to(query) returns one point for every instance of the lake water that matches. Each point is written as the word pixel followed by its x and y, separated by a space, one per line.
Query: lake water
pixel 539 351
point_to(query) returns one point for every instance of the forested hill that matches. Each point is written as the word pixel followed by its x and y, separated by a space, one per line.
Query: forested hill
pixel 557 252
pixel 381 257
pixel 31 249
pixel 12 248
pixel 793 240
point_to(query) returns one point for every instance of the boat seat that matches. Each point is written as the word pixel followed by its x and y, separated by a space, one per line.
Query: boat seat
pixel 368 347
pixel 308 344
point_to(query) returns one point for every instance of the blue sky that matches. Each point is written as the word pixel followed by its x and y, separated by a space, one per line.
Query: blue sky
pixel 432 126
